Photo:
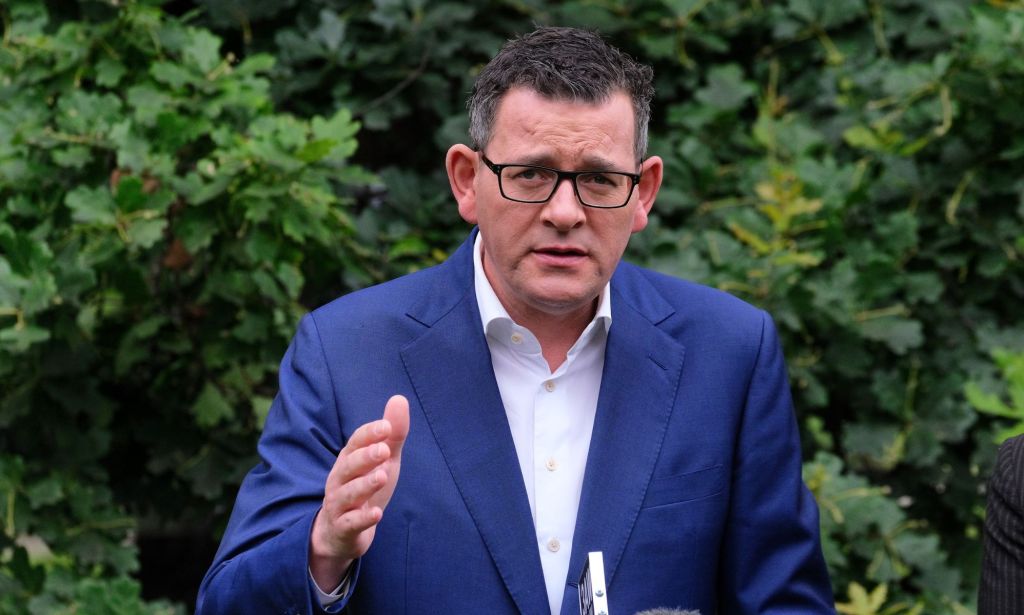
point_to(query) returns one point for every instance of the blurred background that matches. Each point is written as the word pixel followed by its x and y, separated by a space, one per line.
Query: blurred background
pixel 181 181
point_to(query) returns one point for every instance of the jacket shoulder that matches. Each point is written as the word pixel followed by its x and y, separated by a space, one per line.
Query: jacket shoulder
pixel 383 306
pixel 687 301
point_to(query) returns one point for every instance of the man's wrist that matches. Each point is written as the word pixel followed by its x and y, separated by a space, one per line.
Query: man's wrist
pixel 327 570
pixel 327 598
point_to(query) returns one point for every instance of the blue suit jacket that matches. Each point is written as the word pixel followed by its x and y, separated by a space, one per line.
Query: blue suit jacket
pixel 692 488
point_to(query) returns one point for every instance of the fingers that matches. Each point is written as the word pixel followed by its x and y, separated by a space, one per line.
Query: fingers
pixel 396 414
pixel 361 483
pixel 359 520
pixel 372 444
pixel 354 495
pixel 355 462
pixel 374 431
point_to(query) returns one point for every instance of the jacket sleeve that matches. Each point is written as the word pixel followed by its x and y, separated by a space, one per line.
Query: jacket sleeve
pixel 771 555
pixel 1001 591
pixel 262 563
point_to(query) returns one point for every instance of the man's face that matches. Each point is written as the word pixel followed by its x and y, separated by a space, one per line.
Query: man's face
pixel 554 258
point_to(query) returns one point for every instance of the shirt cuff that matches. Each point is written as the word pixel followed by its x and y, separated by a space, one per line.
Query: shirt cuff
pixel 328 598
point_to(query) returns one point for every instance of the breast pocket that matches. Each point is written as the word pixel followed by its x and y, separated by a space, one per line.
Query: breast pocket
pixel 685 487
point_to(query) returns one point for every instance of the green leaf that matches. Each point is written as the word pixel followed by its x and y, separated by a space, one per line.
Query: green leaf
pixel 898 333
pixel 74 156
pixel 331 30
pixel 863 137
pixel 408 246
pixel 136 343
pixel 315 150
pixel 211 408
pixel 252 328
pixel 196 229
pixel 91 205
pixel 202 49
pixel 255 64
pixel 18 339
pixel 339 127
pixel 989 403
pixel 174 75
pixel 260 409
pixel 45 492
pixel 291 278
pixel 924 287
pixel 109 72
pixel 261 246
pixel 726 89
pixel 87 113
pixel 147 103
pixel 877 446
pixel 147 231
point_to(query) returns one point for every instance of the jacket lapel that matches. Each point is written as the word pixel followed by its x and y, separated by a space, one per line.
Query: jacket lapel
pixel 450 369
pixel 638 390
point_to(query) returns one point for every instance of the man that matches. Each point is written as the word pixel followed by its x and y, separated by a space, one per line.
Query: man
pixel 541 399
pixel 1002 570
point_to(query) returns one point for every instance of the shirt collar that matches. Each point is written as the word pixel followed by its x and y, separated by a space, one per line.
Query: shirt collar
pixel 493 315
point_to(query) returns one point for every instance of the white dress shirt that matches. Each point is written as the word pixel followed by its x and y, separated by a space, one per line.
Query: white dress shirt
pixel 551 416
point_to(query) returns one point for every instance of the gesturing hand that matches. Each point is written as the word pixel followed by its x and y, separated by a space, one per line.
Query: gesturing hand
pixel 357 490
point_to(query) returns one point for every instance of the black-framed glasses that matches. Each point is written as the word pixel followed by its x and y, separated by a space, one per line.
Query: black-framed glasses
pixel 529 183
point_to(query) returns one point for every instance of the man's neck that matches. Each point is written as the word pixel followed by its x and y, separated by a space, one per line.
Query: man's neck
pixel 555 333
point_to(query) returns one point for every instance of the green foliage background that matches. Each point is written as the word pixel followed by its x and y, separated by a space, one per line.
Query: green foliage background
pixel 179 183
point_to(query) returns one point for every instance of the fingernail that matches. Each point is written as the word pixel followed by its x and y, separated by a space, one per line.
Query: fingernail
pixel 378 429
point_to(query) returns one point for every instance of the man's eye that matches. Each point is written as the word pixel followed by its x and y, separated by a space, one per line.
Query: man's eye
pixel 599 179
pixel 528 174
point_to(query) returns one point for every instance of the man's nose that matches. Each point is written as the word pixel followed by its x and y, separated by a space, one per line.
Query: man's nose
pixel 564 210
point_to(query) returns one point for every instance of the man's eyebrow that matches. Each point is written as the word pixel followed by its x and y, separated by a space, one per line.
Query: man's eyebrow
pixel 590 162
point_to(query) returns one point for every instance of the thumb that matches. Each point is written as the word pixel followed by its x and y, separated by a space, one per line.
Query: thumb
pixel 396 412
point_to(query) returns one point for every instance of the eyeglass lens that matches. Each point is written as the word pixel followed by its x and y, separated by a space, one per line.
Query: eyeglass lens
pixel 534 184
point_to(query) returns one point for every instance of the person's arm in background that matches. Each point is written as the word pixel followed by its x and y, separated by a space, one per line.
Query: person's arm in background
pixel 307 510
pixel 1001 591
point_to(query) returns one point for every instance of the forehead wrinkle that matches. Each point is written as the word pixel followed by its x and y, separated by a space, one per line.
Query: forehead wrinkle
pixel 559 137
pixel 565 147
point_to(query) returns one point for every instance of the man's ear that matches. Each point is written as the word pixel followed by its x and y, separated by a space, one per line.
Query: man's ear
pixel 647 190
pixel 461 166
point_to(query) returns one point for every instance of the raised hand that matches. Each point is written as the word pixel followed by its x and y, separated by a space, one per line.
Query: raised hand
pixel 357 490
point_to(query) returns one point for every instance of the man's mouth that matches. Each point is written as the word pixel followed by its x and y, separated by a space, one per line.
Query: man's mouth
pixel 560 255
pixel 563 251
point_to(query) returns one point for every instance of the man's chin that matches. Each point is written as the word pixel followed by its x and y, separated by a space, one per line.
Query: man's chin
pixel 562 303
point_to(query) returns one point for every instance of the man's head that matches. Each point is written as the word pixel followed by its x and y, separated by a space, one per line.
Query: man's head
pixel 561 64
pixel 555 118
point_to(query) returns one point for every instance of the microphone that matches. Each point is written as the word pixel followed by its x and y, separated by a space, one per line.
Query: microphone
pixel 593 594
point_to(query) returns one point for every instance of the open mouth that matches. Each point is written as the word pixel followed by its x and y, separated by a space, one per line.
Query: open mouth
pixel 560 256
pixel 562 252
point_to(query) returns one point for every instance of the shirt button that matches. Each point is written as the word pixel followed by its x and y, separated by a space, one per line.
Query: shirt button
pixel 554 545
pixel 517 338
pixel 549 385
pixel 551 464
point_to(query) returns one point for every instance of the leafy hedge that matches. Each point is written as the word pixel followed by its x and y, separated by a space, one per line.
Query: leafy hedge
pixel 178 188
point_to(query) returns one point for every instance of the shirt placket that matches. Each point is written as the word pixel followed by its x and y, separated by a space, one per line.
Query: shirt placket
pixel 551 482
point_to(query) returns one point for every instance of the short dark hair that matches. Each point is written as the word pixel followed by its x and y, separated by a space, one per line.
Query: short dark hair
pixel 562 64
